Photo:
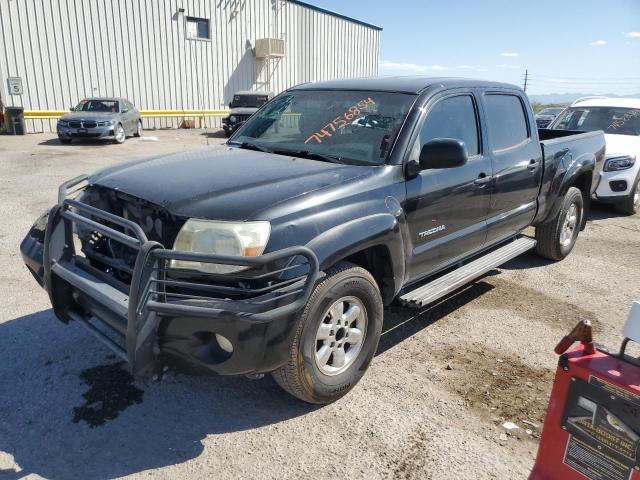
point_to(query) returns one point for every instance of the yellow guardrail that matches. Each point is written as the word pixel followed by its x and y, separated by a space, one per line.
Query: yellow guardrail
pixel 54 114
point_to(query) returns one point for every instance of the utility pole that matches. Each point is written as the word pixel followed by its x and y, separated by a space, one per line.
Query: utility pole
pixel 526 77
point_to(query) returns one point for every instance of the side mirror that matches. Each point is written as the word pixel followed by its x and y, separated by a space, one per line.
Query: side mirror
pixel 443 153
pixel 71 109
pixel 125 110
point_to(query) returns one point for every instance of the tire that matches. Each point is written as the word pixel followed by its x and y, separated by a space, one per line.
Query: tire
pixel 119 135
pixel 311 374
pixel 65 141
pixel 138 132
pixel 557 238
pixel 631 204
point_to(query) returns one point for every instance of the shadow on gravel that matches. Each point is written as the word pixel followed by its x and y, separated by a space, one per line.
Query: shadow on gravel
pixel 76 142
pixel 602 211
pixel 214 133
pixel 401 323
pixel 67 410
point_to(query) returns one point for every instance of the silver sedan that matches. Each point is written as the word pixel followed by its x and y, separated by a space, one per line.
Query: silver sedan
pixel 101 118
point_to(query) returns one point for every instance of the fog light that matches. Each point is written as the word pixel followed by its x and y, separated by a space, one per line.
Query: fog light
pixel 224 343
pixel 618 185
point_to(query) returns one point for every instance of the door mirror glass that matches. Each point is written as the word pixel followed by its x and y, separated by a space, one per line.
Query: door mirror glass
pixel 443 153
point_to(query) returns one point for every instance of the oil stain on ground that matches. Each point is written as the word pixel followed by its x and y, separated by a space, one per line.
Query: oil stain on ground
pixel 413 463
pixel 111 391
pixel 496 386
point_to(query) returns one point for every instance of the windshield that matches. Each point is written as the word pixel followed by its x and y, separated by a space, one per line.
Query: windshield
pixel 355 127
pixel 98 106
pixel 616 120
pixel 550 111
pixel 248 101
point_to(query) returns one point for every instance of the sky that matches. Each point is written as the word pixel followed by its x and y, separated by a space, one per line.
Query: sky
pixel 567 46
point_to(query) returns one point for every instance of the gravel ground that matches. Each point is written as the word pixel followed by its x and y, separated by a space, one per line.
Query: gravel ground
pixel 431 405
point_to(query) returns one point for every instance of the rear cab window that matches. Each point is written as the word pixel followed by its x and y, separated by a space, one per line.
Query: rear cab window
pixel 452 117
pixel 506 121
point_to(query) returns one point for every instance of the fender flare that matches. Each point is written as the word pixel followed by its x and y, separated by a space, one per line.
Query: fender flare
pixel 560 189
pixel 342 241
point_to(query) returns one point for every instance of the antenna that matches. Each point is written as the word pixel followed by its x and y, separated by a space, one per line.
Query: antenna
pixel 526 78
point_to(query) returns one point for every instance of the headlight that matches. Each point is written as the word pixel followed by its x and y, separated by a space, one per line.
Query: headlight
pixel 232 119
pixel 244 239
pixel 63 123
pixel 615 164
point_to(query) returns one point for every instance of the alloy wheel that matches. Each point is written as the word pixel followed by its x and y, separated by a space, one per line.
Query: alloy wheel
pixel 340 335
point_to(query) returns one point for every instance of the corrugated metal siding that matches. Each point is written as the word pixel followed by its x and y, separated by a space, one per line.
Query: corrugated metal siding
pixel 65 50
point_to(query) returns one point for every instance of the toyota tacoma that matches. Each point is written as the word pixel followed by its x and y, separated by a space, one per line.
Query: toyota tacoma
pixel 276 252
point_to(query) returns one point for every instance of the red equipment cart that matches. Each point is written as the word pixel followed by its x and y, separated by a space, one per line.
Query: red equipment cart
pixel 592 427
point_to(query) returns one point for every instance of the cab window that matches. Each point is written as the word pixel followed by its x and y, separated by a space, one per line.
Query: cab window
pixel 506 120
pixel 453 117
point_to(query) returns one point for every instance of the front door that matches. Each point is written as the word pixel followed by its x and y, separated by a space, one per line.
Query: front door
pixel 447 208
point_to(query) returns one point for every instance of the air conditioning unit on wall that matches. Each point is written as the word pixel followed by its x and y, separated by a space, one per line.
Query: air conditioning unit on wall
pixel 269 48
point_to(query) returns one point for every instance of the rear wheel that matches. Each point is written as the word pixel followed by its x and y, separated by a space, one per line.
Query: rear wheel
pixel 631 204
pixel 336 336
pixel 138 129
pixel 118 134
pixel 557 237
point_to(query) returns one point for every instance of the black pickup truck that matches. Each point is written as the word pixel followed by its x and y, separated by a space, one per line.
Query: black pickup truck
pixel 276 252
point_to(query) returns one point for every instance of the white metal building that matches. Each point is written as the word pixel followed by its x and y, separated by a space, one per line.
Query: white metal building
pixel 170 57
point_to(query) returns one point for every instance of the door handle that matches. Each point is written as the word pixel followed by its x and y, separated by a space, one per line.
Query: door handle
pixel 482 179
pixel 533 164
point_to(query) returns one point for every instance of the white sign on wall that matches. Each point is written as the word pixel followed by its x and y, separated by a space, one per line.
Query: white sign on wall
pixel 15 85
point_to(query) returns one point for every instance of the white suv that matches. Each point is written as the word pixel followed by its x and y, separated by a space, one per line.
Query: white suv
pixel 620 120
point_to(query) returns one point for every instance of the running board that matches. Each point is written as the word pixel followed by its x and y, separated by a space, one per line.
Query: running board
pixel 459 277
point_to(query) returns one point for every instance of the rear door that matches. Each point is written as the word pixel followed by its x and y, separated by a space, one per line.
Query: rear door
pixel 517 163
pixel 446 209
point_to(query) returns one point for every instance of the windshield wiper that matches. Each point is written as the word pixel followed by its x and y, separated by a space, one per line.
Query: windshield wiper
pixel 253 146
pixel 310 155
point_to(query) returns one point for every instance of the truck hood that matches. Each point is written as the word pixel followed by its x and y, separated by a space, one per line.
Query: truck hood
pixel 622 144
pixel 223 183
pixel 243 111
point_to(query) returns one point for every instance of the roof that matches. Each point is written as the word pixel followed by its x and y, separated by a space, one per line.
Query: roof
pixel 408 84
pixel 609 102
pixel 108 99
pixel 252 92
pixel 334 14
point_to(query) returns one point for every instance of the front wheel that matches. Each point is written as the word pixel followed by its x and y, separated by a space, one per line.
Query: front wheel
pixel 118 134
pixel 336 336
pixel 557 237
pixel 631 204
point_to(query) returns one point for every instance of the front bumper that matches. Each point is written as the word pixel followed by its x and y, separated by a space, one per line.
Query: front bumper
pixel 609 190
pixel 97 132
pixel 166 315
pixel 229 127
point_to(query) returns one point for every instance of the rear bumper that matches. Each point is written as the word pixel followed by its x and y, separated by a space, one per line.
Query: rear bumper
pixel 165 316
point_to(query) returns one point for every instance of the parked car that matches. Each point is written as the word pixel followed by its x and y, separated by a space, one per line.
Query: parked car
pixel 283 263
pixel 243 105
pixel 545 116
pixel 619 118
pixel 100 118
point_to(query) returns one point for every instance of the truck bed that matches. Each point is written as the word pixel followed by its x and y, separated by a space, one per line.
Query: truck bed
pixel 561 149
